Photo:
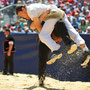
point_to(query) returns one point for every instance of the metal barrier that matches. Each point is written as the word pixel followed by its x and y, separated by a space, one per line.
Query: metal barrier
pixel 8 15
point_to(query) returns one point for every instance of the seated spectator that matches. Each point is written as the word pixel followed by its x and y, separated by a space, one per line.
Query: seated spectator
pixel 71 1
pixel 18 26
pixel 88 29
pixel 7 26
pixel 19 30
pixel 27 29
pixel 0 28
pixel 88 20
pixel 85 6
pixel 4 2
pixel 11 28
pixel 3 29
pixel 73 12
pixel 21 22
pixel 83 25
pixel 78 18
pixel 2 23
pixel 84 11
pixel 74 23
pixel 61 6
pixel 19 2
pixel 80 6
pixel 28 2
pixel 87 13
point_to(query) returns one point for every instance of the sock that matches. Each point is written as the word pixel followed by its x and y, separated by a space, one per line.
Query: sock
pixel 85 48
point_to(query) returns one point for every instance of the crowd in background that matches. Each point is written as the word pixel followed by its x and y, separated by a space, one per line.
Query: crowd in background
pixel 77 11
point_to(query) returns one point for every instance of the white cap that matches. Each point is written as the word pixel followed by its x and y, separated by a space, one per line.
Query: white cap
pixel 82 18
pixel 88 28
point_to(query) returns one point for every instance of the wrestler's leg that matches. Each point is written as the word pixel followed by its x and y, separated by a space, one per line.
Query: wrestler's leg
pixel 77 38
pixel 44 52
pixel 60 30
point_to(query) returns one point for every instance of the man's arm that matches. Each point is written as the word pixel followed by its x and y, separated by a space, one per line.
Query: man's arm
pixel 37 23
pixel 44 15
pixel 10 48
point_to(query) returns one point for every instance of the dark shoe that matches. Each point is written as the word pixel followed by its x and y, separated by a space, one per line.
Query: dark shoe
pixel 4 73
pixel 55 55
pixel 11 74
pixel 71 48
pixel 86 53
pixel 41 85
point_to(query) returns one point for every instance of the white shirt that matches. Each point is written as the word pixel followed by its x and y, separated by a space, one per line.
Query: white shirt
pixel 35 10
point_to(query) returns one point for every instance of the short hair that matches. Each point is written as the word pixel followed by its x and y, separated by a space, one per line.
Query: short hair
pixel 4 27
pixel 19 8
pixel 7 30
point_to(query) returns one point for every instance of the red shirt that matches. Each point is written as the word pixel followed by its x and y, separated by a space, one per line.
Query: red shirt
pixel 73 13
pixel 71 1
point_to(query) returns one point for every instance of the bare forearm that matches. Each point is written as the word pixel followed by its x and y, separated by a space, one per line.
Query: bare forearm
pixel 37 23
pixel 10 48
pixel 44 15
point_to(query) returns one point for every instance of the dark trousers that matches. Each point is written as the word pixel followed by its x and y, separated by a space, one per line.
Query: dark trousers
pixel 44 52
pixel 8 61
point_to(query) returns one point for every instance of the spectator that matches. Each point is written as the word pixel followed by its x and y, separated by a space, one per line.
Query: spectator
pixel 20 30
pixel 78 18
pixel 71 1
pixel 88 29
pixel 0 3
pixel 84 11
pixel 88 21
pixel 0 28
pixel 83 25
pixel 85 6
pixel 73 12
pixel 11 28
pixel 21 22
pixel 74 23
pixel 15 1
pixel 27 29
pixel 7 26
pixel 4 28
pixel 2 23
pixel 18 26
pixel 4 2
pixel 62 6
pixel 87 13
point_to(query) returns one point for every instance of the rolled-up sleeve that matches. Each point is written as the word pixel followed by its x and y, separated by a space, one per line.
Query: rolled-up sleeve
pixel 11 42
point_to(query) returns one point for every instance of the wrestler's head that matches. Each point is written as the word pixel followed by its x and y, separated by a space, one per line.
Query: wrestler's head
pixel 22 12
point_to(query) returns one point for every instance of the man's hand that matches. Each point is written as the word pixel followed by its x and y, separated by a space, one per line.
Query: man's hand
pixel 37 23
pixel 9 53
pixel 10 49
pixel 32 26
pixel 44 15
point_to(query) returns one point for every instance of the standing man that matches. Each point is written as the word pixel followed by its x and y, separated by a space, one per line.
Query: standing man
pixel 9 50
